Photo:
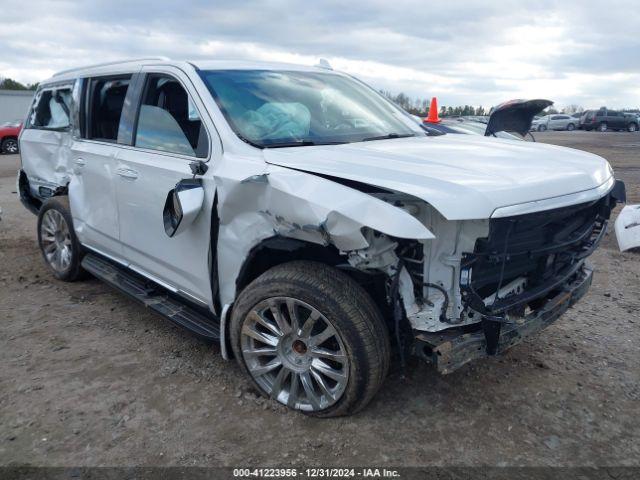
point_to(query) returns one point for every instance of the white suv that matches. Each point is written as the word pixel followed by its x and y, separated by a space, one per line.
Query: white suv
pixel 307 224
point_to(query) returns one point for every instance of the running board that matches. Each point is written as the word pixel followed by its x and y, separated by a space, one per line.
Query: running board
pixel 153 296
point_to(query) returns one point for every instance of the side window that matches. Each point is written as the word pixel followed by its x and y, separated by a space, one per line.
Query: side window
pixel 105 102
pixel 557 117
pixel 169 121
pixel 600 113
pixel 613 114
pixel 51 109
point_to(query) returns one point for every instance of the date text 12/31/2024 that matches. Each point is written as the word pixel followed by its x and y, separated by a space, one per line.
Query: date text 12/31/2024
pixel 315 473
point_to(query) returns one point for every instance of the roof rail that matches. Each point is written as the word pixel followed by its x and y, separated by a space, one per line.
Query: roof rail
pixel 106 64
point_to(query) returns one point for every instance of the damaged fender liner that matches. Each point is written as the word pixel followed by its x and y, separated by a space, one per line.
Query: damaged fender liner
pixel 451 349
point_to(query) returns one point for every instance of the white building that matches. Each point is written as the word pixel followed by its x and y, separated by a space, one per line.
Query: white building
pixel 14 104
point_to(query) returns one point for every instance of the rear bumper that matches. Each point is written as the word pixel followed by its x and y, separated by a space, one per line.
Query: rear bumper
pixel 450 349
pixel 24 191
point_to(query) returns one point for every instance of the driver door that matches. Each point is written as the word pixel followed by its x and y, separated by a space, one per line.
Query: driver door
pixel 170 134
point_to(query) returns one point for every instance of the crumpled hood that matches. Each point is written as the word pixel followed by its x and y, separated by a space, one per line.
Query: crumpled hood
pixel 462 176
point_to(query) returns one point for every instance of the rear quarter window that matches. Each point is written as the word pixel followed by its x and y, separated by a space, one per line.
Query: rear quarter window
pixel 51 109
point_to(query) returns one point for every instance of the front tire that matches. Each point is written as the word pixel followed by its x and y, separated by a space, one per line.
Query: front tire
pixel 542 128
pixel 632 127
pixel 603 127
pixel 310 337
pixel 10 146
pixel 58 243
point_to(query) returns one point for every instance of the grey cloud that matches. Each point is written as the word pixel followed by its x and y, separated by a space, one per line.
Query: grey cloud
pixel 435 37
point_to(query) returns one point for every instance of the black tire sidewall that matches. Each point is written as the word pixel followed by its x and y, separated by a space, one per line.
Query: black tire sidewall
pixel 74 271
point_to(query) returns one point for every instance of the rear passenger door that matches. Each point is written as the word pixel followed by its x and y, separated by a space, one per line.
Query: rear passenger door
pixel 169 134
pixel 45 140
pixel 92 190
pixel 558 122
pixel 615 119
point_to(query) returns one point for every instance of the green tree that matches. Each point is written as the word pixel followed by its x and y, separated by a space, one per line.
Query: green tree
pixel 10 84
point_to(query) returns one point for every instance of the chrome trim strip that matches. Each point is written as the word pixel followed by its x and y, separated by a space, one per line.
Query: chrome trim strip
pixel 153 279
pixel 106 255
pixel 223 331
pixel 555 202
pixel 193 298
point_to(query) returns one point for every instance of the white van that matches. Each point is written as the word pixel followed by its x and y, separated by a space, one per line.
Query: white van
pixel 303 221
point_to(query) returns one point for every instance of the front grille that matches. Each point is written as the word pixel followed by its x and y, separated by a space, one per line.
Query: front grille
pixel 546 248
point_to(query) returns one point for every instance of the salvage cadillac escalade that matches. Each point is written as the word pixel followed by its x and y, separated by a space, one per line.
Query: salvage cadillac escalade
pixel 304 222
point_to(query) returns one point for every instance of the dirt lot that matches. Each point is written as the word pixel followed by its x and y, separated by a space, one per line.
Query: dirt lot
pixel 89 377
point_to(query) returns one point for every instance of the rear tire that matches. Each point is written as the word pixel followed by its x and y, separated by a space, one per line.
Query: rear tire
pixel 358 347
pixel 10 146
pixel 58 243
pixel 571 127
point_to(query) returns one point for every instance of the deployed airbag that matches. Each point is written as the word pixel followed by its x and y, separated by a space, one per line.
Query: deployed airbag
pixel 277 120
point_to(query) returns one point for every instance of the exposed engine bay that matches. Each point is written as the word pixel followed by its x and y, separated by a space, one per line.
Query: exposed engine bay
pixel 486 272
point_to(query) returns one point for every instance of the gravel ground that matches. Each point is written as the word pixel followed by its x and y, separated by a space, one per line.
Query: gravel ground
pixel 91 378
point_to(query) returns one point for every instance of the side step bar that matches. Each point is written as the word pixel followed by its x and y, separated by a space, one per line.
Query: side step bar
pixel 153 296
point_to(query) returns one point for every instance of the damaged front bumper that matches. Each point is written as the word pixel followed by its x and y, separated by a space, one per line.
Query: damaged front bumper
pixel 450 349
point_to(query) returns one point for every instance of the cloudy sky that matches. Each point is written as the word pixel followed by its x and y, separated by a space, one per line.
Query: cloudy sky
pixel 478 52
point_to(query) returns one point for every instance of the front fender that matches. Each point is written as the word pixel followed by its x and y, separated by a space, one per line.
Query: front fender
pixel 304 206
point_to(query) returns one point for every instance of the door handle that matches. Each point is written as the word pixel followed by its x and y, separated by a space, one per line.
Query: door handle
pixel 127 173
pixel 78 166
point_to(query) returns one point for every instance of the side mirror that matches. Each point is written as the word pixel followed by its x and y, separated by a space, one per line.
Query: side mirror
pixel 183 205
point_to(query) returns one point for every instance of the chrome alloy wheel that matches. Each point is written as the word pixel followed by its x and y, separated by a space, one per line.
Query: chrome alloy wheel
pixel 56 240
pixel 294 354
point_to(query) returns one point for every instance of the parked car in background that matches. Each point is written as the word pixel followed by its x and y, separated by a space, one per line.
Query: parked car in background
pixel 558 121
pixel 467 127
pixel 605 119
pixel 510 120
pixel 634 118
pixel 577 116
pixel 9 132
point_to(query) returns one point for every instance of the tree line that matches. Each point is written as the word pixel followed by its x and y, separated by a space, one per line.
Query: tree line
pixel 420 107
pixel 10 84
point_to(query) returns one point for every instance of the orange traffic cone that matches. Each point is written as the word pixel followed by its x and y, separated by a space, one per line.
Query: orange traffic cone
pixel 433 112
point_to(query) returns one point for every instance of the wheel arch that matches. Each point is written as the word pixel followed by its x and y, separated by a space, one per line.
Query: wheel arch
pixel 278 250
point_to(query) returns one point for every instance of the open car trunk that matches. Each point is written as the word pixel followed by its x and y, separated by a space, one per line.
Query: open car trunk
pixel 515 116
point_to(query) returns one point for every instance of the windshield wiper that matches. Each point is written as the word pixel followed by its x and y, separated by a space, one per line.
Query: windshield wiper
pixel 300 143
pixel 389 135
